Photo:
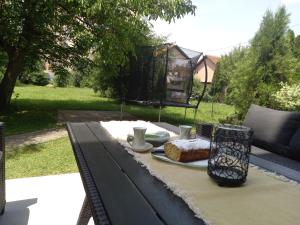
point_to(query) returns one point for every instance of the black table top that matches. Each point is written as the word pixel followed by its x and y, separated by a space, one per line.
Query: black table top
pixel 121 191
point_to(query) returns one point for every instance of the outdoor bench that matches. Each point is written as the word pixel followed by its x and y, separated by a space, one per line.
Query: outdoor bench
pixel 276 141
pixel 275 131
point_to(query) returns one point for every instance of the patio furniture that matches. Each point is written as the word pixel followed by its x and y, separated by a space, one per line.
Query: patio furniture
pixel 120 191
pixel 275 131
pixel 163 76
pixel 2 170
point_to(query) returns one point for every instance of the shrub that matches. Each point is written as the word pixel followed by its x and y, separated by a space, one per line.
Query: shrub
pixel 198 89
pixel 36 78
pixel 81 78
pixel 288 97
pixel 61 77
pixel 268 61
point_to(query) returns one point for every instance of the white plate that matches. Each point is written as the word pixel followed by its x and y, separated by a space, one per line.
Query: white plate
pixel 144 148
pixel 157 138
pixel 159 153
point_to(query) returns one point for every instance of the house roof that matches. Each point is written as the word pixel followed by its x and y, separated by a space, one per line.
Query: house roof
pixel 180 50
pixel 190 53
pixel 212 58
pixel 193 55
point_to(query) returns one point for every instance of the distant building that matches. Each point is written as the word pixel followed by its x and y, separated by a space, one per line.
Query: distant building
pixel 199 73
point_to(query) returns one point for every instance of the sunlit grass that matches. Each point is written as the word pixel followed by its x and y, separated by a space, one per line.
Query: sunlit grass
pixel 53 157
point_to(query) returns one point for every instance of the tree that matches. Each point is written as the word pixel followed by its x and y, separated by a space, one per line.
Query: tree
pixel 111 78
pixel 64 32
pixel 61 76
pixel 268 62
pixel 224 71
pixel 3 62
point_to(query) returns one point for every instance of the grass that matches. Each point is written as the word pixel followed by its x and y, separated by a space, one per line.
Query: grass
pixel 35 108
pixel 53 157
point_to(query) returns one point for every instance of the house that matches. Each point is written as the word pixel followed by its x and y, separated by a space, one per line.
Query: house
pixel 199 73
pixel 179 53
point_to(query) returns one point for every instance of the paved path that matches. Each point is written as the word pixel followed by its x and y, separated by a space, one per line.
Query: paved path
pixel 64 116
pixel 19 140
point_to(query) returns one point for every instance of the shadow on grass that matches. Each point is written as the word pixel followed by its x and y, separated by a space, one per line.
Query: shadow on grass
pixel 24 121
pixel 37 114
pixel 42 105
pixel 70 104
pixel 27 115
pixel 176 117
pixel 24 150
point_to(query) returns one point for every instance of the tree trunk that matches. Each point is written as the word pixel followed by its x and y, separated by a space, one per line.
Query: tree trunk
pixel 14 67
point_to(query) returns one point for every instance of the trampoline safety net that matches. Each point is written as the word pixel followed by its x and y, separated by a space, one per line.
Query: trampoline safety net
pixel 161 74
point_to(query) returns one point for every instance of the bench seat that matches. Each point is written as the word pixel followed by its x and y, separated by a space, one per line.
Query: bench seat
pixel 275 131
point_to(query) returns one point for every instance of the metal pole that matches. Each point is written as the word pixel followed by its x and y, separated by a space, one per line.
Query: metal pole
pixel 159 114
pixel 195 113
pixel 122 108
pixel 185 112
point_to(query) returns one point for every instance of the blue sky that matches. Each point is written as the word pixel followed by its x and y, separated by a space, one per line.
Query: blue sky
pixel 221 24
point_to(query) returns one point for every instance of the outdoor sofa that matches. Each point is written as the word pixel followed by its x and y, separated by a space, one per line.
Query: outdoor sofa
pixel 2 170
pixel 275 131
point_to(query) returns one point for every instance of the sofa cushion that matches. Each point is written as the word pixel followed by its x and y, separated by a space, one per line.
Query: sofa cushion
pixel 273 129
pixel 295 145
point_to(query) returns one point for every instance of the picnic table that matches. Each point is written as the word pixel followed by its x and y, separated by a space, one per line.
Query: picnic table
pixel 120 191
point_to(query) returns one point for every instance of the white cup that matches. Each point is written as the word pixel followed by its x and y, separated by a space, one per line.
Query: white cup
pixel 185 131
pixel 138 137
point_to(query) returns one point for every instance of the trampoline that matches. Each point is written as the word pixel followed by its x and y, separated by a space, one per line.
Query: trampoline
pixel 163 76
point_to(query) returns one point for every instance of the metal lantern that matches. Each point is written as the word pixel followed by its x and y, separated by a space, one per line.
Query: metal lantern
pixel 229 154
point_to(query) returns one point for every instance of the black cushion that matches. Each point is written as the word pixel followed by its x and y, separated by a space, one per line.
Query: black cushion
pixel 295 145
pixel 273 129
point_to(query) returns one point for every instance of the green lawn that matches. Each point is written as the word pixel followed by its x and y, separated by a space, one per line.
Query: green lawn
pixel 53 157
pixel 35 108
